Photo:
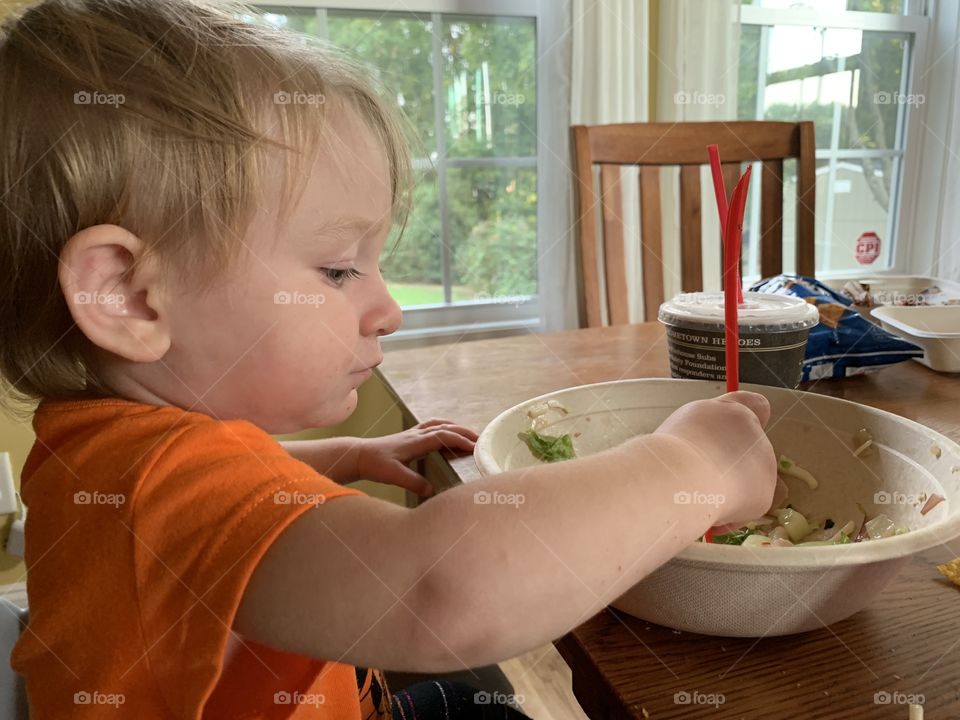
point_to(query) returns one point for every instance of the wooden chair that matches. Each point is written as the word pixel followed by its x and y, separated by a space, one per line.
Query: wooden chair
pixel 651 145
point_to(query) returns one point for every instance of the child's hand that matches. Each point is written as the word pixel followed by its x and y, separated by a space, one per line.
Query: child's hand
pixel 384 459
pixel 728 433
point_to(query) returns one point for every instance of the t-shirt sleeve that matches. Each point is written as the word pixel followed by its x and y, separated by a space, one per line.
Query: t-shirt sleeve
pixel 204 515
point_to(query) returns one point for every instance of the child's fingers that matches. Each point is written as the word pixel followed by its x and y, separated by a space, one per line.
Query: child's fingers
pixel 755 402
pixel 442 440
pixel 404 477
pixel 436 424
pixel 434 421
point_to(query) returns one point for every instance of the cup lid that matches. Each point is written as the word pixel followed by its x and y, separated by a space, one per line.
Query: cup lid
pixel 762 311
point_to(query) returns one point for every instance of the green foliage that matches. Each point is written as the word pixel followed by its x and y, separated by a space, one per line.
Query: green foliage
pixel 416 257
pixel 500 258
pixel 490 80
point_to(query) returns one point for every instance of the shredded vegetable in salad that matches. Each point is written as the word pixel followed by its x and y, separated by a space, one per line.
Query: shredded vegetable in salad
pixel 788 527
pixel 548 448
pixel 784 527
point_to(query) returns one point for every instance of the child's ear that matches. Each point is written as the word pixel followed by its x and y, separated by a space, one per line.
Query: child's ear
pixel 114 292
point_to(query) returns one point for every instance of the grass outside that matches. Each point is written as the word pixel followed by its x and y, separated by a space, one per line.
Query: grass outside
pixel 411 294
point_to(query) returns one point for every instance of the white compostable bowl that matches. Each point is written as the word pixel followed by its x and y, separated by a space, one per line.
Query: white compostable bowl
pixel 935 328
pixel 751 592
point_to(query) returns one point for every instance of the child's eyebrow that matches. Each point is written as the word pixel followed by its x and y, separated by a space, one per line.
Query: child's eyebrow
pixel 363 226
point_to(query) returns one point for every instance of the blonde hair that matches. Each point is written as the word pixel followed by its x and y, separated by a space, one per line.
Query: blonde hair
pixel 149 115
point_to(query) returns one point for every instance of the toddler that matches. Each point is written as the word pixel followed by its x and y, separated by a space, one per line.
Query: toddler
pixel 192 211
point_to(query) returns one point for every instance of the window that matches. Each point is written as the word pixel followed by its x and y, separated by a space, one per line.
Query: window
pixel 468 83
pixel 849 66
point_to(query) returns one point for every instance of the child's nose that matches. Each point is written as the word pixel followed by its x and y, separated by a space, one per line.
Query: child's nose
pixel 384 316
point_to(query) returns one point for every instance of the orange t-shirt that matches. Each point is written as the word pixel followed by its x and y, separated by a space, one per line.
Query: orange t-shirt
pixel 146 523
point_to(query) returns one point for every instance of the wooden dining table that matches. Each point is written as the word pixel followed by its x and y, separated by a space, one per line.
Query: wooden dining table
pixel 905 646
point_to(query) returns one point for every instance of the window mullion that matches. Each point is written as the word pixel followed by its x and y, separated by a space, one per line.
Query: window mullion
pixel 832 172
pixel 896 166
pixel 756 240
pixel 322 29
pixel 440 132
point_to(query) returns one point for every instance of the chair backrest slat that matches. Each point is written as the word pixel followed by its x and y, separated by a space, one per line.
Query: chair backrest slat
pixel 771 218
pixel 651 242
pixel 691 244
pixel 611 194
pixel 806 199
pixel 589 284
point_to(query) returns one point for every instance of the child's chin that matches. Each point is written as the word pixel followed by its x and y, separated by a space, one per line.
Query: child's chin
pixel 337 415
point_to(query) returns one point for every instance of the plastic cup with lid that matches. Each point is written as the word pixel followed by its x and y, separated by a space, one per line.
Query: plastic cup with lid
pixel 773 337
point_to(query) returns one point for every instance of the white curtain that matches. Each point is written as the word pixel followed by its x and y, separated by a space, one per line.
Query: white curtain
pixel 611 84
pixel 696 81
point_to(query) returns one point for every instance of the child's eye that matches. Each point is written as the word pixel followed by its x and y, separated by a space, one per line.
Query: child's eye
pixel 338 276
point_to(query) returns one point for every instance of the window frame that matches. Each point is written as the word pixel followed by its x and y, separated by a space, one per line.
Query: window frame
pixel 438 322
pixel 902 245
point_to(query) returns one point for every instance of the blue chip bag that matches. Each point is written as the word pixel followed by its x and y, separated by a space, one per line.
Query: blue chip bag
pixel 844 342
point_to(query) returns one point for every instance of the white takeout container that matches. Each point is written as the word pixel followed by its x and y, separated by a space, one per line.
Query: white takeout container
pixel 752 592
pixel 902 289
pixel 935 328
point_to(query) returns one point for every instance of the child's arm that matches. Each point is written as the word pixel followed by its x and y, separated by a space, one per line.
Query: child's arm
pixel 383 459
pixel 335 458
pixel 459 583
